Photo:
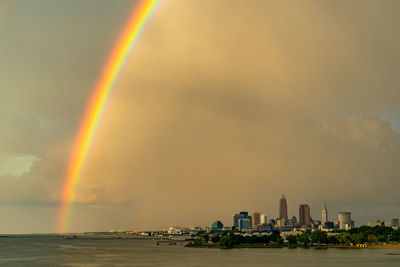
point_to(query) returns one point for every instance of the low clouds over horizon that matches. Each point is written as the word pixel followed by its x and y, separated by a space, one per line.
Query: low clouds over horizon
pixel 221 107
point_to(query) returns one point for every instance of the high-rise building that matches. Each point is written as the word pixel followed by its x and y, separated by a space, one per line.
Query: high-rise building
pixel 240 215
pixel 283 208
pixel 217 225
pixel 244 224
pixel 304 215
pixel 263 219
pixel 324 217
pixel 256 219
pixel 395 222
pixel 345 221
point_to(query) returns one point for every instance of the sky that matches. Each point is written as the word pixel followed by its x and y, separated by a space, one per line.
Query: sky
pixel 222 106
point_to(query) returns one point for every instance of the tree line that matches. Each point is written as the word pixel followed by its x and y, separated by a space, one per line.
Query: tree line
pixel 360 235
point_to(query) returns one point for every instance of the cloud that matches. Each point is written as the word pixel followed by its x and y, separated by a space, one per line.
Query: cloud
pixel 222 106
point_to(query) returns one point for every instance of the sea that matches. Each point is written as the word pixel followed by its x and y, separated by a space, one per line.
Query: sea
pixel 51 250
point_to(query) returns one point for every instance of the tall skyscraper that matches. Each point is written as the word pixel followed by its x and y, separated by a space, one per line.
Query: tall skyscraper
pixel 324 217
pixel 256 219
pixel 283 209
pixel 304 215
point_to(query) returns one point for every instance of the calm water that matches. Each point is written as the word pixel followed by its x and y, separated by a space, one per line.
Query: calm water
pixel 53 251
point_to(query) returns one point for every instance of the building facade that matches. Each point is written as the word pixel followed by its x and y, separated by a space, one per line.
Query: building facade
pixel 304 216
pixel 256 219
pixel 283 209
pixel 324 215
pixel 395 222
pixel 244 224
pixel 238 216
pixel 217 225
pixel 263 219
pixel 345 222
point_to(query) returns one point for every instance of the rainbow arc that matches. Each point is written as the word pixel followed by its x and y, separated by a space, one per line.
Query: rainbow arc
pixel 140 15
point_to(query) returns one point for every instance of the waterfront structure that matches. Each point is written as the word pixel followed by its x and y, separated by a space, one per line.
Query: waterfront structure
pixel 244 224
pixel 238 216
pixel 256 219
pixel 217 225
pixel 283 209
pixel 304 216
pixel 395 222
pixel 345 222
pixel 324 217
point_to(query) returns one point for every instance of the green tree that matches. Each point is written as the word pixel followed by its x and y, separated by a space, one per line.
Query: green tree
pixel 292 239
pixel 319 236
pixel 215 239
pixel 304 238
pixel 372 238
pixel 226 242
pixel 344 238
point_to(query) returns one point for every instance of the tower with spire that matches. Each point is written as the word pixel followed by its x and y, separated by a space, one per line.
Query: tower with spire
pixel 283 209
pixel 324 213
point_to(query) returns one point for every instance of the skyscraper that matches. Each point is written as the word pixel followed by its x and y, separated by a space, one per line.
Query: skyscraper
pixel 283 208
pixel 256 219
pixel 241 215
pixel 263 219
pixel 324 217
pixel 244 224
pixel 304 215
pixel 344 218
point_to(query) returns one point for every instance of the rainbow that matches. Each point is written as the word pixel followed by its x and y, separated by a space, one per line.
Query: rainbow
pixel 97 102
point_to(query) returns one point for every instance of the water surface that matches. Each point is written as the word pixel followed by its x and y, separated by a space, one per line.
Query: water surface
pixel 54 251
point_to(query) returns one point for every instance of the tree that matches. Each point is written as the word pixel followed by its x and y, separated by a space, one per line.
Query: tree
pixel 292 239
pixel 304 238
pixel 206 238
pixel 226 242
pixel 344 238
pixel 215 239
pixel 372 238
pixel 319 236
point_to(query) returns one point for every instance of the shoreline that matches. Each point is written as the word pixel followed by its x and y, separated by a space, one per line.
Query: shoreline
pixel 365 246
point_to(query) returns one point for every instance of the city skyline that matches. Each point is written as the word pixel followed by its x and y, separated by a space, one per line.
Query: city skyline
pixel 217 108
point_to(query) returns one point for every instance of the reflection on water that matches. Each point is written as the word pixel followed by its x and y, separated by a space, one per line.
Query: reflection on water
pixel 54 251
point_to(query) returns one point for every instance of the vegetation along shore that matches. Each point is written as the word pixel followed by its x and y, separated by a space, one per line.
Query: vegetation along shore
pixel 361 237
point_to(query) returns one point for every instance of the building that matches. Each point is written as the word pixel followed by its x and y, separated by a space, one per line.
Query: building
pixel 324 215
pixel 281 222
pixel 292 221
pixel 244 224
pixel 378 222
pixel 256 219
pixel 263 219
pixel 395 222
pixel 345 221
pixel 304 216
pixel 283 209
pixel 217 225
pixel 238 216
pixel 329 225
